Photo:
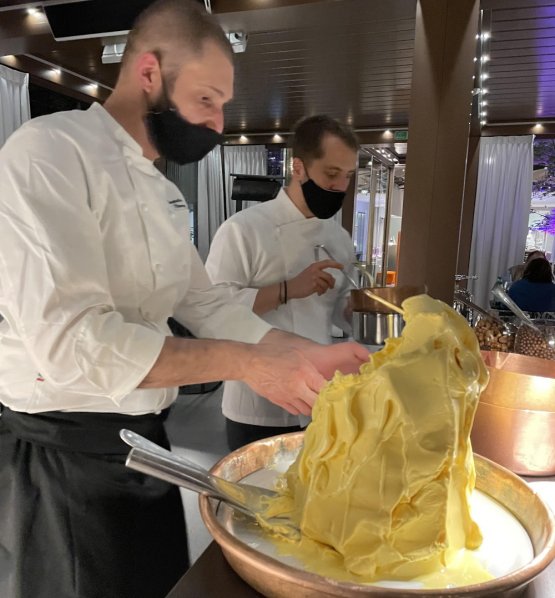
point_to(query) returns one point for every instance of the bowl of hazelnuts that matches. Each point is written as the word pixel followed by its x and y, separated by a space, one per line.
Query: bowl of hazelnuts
pixel 538 342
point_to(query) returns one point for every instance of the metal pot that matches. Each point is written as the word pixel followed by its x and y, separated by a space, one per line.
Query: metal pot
pixel 371 328
pixel 514 423
pixel 373 322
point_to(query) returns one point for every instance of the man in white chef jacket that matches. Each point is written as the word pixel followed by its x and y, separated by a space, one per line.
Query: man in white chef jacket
pixel 94 258
pixel 265 257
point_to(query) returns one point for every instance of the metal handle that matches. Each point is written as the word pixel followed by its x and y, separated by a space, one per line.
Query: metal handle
pixel 499 292
pixel 345 274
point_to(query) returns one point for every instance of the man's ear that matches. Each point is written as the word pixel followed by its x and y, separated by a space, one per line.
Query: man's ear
pixel 147 69
pixel 298 170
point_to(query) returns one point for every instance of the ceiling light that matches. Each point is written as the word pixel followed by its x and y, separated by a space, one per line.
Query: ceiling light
pixel 485 35
pixel 484 103
pixel 485 58
pixel 56 71
pixel 32 11
pixel 484 91
pixel 238 41
pixel 475 59
pixel 113 52
pixel 277 138
pixel 483 113
pixel 243 139
pixel 482 122
pixel 395 160
pixel 484 76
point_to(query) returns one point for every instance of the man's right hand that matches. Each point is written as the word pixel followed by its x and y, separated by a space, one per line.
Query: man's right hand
pixel 313 279
pixel 283 375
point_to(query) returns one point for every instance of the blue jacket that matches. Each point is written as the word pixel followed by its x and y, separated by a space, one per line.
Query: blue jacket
pixel 533 296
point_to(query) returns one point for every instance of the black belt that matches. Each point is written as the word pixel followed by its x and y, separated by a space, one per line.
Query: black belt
pixel 83 432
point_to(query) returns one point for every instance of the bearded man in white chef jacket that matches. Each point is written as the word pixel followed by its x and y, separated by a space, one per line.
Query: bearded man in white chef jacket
pixel 94 258
pixel 267 258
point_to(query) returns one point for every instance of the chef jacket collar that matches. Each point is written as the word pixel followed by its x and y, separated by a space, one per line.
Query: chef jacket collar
pixel 287 211
pixel 131 149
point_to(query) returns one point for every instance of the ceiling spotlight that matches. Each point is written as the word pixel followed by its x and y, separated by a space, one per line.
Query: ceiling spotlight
pixel 56 71
pixel 484 91
pixel 485 35
pixel 475 59
pixel 276 138
pixel 538 125
pixel 484 76
pixel 484 103
pixel 485 58
pixel 32 11
pixel 482 122
pixel 483 113
pixel 243 139
pixel 395 160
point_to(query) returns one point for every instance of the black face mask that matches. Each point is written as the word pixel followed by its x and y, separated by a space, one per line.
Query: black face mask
pixel 175 137
pixel 323 203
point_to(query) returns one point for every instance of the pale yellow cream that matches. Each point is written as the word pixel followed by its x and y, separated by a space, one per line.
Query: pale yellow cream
pixel 381 487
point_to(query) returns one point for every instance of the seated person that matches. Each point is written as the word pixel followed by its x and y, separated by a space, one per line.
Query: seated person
pixel 516 272
pixel 535 291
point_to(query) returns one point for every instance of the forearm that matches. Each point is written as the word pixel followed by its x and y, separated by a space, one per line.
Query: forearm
pixel 194 361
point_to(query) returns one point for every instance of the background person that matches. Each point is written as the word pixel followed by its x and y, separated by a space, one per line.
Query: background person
pixel 264 256
pixel 535 291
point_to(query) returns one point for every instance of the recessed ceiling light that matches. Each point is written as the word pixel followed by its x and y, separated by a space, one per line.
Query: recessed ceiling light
pixel 242 139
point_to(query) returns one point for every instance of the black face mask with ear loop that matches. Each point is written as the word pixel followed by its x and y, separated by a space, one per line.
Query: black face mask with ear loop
pixel 174 136
pixel 323 203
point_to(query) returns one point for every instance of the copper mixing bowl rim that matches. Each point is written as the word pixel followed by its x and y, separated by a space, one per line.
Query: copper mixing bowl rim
pixel 230 543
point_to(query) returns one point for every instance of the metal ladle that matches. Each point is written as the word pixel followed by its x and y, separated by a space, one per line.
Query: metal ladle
pixel 499 292
pixel 150 458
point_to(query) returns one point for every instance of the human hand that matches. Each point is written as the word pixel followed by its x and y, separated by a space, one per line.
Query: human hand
pixel 313 280
pixel 345 357
pixel 282 374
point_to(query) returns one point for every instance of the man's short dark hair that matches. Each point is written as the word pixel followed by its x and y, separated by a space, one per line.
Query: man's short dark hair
pixel 172 29
pixel 538 270
pixel 309 133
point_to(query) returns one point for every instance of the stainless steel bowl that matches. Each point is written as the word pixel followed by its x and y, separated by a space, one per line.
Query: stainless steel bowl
pixel 276 579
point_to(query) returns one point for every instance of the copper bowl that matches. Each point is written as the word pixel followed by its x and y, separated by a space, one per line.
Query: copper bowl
pixel 275 579
pixel 515 420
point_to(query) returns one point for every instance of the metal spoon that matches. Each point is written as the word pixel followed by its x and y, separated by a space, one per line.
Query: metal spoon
pixel 152 459
pixel 345 274
pixel 499 292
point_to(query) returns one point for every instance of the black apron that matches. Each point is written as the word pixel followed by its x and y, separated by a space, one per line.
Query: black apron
pixel 74 521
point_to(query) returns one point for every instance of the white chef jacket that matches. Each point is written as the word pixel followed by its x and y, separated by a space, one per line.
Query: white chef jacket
pixel 263 245
pixel 94 257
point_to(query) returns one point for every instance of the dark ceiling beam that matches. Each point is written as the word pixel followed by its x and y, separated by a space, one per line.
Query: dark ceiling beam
pixel 17 4
pixel 64 82
pixel 222 6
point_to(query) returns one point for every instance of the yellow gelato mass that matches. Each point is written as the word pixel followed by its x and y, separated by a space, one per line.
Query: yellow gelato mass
pixel 381 487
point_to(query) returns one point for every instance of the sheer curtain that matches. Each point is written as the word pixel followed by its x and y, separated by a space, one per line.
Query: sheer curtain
pixel 503 199
pixel 241 159
pixel 14 101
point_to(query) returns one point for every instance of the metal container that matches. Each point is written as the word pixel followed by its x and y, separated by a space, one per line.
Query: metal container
pixel 515 419
pixel 372 322
pixel 277 579
pixel 373 328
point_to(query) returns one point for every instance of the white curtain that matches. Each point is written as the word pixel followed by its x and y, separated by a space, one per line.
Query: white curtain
pixel 503 199
pixel 241 159
pixel 14 101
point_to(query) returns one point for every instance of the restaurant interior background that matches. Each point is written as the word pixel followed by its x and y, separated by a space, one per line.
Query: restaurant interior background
pixel 360 62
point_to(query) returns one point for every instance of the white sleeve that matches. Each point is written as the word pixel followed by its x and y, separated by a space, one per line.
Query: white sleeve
pixel 209 311
pixel 229 263
pixel 54 289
